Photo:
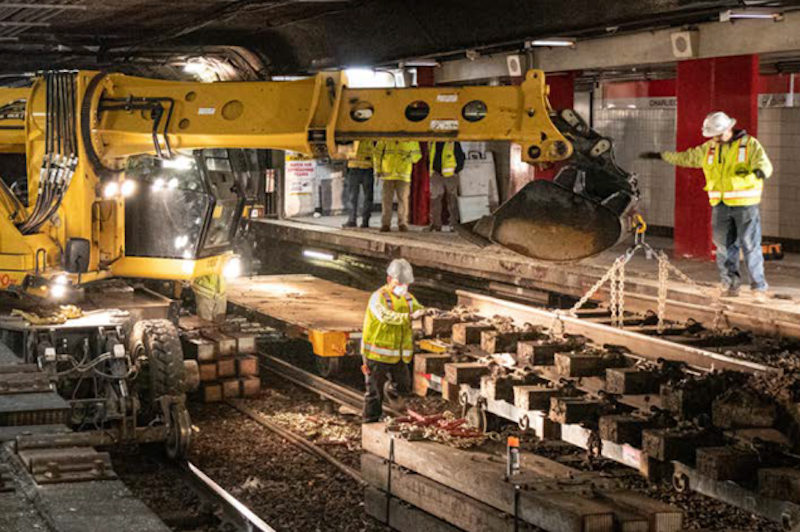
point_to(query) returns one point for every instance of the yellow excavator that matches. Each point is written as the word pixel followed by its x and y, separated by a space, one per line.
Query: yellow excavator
pixel 130 178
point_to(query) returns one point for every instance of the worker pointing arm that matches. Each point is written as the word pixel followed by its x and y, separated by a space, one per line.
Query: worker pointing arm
pixel 735 166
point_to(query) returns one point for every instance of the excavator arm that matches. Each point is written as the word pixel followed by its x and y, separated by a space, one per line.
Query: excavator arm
pixel 78 129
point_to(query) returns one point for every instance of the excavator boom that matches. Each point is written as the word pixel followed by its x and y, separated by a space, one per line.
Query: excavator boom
pixel 78 129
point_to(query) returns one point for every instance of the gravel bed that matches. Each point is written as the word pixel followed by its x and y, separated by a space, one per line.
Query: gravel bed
pixel 288 488
pixel 161 486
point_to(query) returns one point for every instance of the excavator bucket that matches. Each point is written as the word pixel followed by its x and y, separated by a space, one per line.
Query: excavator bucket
pixel 579 214
pixel 549 222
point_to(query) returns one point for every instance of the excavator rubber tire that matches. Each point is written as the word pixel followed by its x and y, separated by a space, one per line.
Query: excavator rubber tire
pixel 163 373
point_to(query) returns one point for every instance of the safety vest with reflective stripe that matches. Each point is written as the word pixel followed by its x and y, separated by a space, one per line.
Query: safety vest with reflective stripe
pixel 394 160
pixel 363 157
pixel 387 335
pixel 722 165
pixel 449 162
pixel 211 286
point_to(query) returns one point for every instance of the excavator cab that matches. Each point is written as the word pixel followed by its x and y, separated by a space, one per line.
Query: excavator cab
pixel 188 207
pixel 579 214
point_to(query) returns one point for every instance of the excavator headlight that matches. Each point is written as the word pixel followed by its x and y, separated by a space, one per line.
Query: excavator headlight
pixel 233 268
pixel 128 188
pixel 58 287
pixel 111 189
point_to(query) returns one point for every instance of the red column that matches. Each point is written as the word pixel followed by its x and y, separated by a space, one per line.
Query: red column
pixel 420 180
pixel 562 96
pixel 728 84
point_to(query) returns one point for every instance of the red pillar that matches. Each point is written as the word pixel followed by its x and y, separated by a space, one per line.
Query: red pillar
pixel 562 96
pixel 728 84
pixel 420 180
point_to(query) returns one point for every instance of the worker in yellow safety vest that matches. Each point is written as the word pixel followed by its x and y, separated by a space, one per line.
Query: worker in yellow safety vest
pixel 393 161
pixel 211 297
pixel 446 160
pixel 387 343
pixel 735 166
pixel 360 174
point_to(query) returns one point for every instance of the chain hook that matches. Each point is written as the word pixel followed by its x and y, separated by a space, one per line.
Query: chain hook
pixel 640 229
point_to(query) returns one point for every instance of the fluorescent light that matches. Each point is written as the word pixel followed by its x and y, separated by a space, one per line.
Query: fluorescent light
pixel 754 13
pixel 366 78
pixel 321 255
pixel 552 42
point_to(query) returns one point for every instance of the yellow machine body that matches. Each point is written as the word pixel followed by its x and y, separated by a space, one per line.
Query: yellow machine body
pixel 313 116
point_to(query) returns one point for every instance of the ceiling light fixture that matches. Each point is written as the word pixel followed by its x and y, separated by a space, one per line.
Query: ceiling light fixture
pixel 554 42
pixel 753 13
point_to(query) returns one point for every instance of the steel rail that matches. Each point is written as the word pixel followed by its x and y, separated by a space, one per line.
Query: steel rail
pixel 330 390
pixel 232 510
pixel 648 347
pixel 290 436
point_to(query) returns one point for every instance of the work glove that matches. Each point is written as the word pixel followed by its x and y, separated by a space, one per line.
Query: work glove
pixel 650 155
pixel 417 314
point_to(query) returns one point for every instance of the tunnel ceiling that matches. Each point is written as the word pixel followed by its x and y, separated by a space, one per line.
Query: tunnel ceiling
pixel 298 36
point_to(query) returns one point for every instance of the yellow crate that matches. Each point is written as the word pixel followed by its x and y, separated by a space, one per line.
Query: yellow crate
pixel 328 343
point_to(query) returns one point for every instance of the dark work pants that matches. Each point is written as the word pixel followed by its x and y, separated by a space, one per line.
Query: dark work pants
pixel 378 374
pixel 357 178
pixel 444 189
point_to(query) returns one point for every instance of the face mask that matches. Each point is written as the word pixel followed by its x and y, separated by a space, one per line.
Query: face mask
pixel 400 290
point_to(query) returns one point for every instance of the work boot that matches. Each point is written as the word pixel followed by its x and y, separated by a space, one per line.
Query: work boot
pixel 760 296
pixel 365 224
pixel 385 229
pixel 728 291
pixel 403 228
pixel 433 229
pixel 349 223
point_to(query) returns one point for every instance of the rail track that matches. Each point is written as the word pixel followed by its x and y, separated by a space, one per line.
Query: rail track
pixel 642 395
pixel 229 509
pixel 330 390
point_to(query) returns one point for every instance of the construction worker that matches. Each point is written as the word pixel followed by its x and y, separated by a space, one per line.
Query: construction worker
pixel 446 162
pixel 210 293
pixel 393 161
pixel 387 345
pixel 735 166
pixel 360 174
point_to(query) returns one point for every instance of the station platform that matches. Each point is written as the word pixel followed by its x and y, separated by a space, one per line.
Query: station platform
pixel 449 253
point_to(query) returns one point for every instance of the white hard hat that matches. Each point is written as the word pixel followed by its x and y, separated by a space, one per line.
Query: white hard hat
pixel 717 124
pixel 401 271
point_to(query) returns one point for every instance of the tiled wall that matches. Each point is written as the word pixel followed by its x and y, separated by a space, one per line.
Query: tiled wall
pixel 638 130
pixel 635 131
pixel 779 132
